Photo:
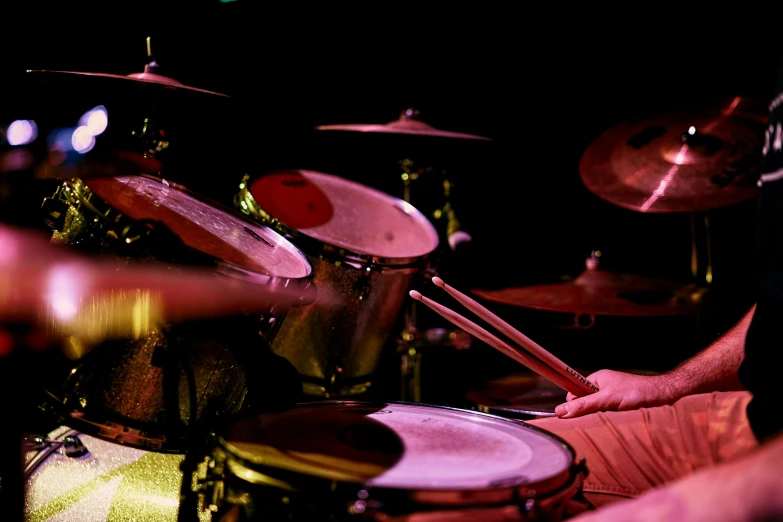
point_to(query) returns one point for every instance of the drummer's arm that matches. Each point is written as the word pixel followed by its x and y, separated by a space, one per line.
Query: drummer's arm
pixel 716 367
pixel 713 369
pixel 747 489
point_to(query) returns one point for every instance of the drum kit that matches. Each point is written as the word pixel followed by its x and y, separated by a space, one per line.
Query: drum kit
pixel 217 343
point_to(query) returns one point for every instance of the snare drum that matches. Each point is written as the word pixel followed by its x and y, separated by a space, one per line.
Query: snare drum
pixel 367 246
pixel 74 477
pixel 346 460
pixel 152 391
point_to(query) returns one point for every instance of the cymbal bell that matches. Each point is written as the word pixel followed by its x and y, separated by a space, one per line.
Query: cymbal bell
pixel 690 161
pixel 407 124
pixel 598 292
pixel 66 293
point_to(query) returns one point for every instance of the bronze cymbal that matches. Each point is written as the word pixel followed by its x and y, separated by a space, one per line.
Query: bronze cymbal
pixel 598 292
pixel 407 123
pixel 66 293
pixel 89 124
pixel 696 160
pixel 139 79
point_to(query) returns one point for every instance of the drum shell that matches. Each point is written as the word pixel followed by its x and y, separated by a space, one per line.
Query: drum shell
pixel 345 337
pixel 109 482
pixel 337 346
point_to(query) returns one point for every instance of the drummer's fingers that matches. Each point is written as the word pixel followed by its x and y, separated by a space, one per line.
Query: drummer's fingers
pixel 570 396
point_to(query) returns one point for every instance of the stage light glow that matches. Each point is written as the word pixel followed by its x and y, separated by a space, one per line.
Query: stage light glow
pixel 82 140
pixel 21 132
pixel 96 120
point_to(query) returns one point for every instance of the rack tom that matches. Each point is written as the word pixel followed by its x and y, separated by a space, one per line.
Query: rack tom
pixel 153 391
pixel 365 245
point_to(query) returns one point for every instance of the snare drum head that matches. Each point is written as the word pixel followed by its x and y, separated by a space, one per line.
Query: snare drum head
pixel 400 446
pixel 203 226
pixel 345 214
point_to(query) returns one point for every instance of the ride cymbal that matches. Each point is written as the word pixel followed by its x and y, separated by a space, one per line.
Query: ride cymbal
pixel 691 161
pixel 407 123
pixel 598 292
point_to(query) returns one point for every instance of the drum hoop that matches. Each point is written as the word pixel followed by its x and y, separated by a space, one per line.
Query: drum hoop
pixel 496 495
pixel 78 192
pixel 110 431
pixel 245 202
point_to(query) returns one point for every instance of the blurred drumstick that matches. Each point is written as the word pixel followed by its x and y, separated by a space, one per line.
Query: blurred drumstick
pixel 518 337
pixel 500 345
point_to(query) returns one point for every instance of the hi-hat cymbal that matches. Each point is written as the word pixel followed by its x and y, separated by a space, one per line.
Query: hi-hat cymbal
pixel 407 123
pixel 696 160
pixel 598 292
pixel 50 287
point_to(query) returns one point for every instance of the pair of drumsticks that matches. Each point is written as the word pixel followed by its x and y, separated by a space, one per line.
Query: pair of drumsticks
pixel 530 354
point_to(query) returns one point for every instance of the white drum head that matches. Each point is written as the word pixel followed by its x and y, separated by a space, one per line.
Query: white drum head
pixel 345 214
pixel 203 226
pixel 401 446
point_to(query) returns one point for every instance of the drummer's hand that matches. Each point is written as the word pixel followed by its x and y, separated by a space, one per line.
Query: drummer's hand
pixel 619 391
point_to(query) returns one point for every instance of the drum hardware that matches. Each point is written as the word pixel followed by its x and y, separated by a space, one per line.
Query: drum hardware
pixel 71 446
pixel 366 245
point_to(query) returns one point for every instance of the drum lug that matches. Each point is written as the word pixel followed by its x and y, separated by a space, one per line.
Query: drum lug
pixel 55 209
pixel 363 284
pixel 70 446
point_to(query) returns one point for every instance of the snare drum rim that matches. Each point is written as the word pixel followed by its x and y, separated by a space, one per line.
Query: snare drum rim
pixel 245 202
pixel 434 497
pixel 80 189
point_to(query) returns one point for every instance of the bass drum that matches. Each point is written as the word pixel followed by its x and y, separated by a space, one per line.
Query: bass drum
pixel 154 391
pixel 366 246
pixel 73 477
pixel 341 461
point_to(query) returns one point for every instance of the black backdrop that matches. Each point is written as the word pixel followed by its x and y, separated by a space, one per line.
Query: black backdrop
pixel 542 82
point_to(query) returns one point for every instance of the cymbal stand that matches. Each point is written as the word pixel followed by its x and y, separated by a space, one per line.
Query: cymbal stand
pixel 701 248
pixel 16 357
pixel 412 338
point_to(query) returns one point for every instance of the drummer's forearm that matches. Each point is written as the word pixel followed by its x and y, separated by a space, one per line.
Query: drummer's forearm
pixel 716 367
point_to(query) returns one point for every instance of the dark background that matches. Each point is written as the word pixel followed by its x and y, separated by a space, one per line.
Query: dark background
pixel 542 83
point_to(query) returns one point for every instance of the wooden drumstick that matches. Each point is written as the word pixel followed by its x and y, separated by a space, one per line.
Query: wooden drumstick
pixel 500 345
pixel 518 337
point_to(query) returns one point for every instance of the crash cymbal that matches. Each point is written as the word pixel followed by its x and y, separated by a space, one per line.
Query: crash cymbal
pixel 65 124
pixel 690 161
pixel 407 123
pixel 598 292
pixel 69 294
pixel 143 79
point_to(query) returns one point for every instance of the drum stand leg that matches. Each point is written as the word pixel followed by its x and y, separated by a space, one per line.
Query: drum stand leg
pixel 701 248
pixel 13 369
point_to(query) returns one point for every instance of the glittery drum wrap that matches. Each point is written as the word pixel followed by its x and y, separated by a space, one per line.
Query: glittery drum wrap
pixel 112 483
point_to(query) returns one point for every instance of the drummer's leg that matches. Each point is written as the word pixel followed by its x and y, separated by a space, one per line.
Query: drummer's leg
pixel 629 452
